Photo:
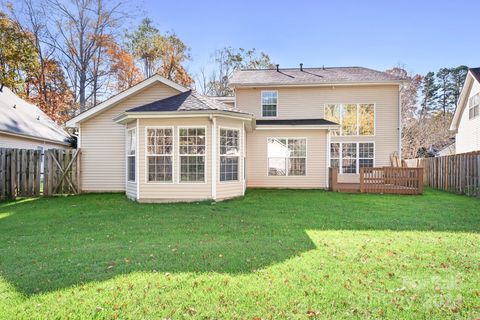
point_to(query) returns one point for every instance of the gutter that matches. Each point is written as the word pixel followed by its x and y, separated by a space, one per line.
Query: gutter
pixel 35 138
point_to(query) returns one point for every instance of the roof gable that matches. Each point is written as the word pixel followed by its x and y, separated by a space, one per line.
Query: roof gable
pixel 186 101
pixel 20 117
pixel 123 96
pixel 473 75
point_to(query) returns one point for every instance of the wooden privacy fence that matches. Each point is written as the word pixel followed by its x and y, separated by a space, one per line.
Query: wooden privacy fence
pixel 459 173
pixel 30 173
pixel 392 180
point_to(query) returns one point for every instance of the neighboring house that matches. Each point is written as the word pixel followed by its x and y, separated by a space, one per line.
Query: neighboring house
pixel 159 141
pixel 25 126
pixel 466 120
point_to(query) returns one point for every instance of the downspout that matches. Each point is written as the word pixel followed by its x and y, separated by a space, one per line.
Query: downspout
pixel 244 142
pixel 400 122
pixel 328 159
pixel 137 156
pixel 214 157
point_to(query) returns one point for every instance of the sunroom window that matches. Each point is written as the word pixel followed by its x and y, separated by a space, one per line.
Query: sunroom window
pixel 349 157
pixel 354 119
pixel 229 154
pixel 160 154
pixel 287 156
pixel 269 103
pixel 192 150
pixel 131 154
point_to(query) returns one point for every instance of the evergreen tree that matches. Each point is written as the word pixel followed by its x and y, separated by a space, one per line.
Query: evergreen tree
pixel 445 85
pixel 429 94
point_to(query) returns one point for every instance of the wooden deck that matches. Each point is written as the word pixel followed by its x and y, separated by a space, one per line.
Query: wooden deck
pixel 387 180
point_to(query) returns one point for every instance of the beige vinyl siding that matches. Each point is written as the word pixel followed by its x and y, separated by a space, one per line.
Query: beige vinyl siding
pixel 131 186
pixel 309 102
pixel 468 135
pixel 103 142
pixel 230 189
pixel 257 165
pixel 11 141
pixel 167 191
pixel 293 103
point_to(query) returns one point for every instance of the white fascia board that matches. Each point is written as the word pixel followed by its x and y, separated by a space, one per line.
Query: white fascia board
pixel 125 117
pixel 121 96
pixel 462 101
pixel 293 127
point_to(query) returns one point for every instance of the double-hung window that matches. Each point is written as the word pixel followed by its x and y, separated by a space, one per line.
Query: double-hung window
pixel 229 154
pixel 354 119
pixel 159 154
pixel 474 106
pixel 192 150
pixel 287 156
pixel 269 103
pixel 131 154
pixel 351 156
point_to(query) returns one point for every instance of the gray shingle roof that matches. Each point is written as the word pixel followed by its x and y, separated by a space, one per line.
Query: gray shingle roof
pixel 186 101
pixel 17 116
pixel 295 76
pixel 476 73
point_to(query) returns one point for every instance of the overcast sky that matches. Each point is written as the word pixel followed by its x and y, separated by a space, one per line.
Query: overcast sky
pixel 422 35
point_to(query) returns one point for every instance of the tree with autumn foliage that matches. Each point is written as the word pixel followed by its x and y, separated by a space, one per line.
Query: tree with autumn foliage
pixel 158 53
pixel 18 56
pixel 49 90
pixel 123 67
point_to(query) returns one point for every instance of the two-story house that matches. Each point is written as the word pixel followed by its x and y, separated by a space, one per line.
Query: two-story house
pixel 159 141
pixel 466 120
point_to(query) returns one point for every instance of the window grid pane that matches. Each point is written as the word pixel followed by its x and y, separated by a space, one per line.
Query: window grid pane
pixel 229 154
pixel 131 154
pixel 159 151
pixel 346 156
pixel 192 151
pixel 287 157
pixel 269 103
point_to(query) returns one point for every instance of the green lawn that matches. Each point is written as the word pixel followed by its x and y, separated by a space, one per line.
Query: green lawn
pixel 274 254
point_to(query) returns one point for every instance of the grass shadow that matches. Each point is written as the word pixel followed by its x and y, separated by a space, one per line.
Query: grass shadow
pixel 53 243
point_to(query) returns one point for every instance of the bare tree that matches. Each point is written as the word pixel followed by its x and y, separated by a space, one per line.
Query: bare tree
pixel 81 29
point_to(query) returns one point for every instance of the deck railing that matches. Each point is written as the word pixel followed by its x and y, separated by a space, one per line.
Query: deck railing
pixel 392 180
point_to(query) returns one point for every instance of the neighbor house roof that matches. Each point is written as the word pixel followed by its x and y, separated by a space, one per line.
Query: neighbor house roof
pixel 186 101
pixel 472 75
pixel 22 118
pixel 310 76
pixel 114 100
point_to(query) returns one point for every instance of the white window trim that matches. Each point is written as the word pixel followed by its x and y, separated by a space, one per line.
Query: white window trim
pixel 127 155
pixel 340 166
pixel 473 106
pixel 358 112
pixel 205 155
pixel 147 155
pixel 240 155
pixel 306 158
pixel 261 104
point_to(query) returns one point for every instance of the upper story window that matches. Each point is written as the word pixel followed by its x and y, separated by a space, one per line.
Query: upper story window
pixel 355 119
pixel 269 103
pixel 474 106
